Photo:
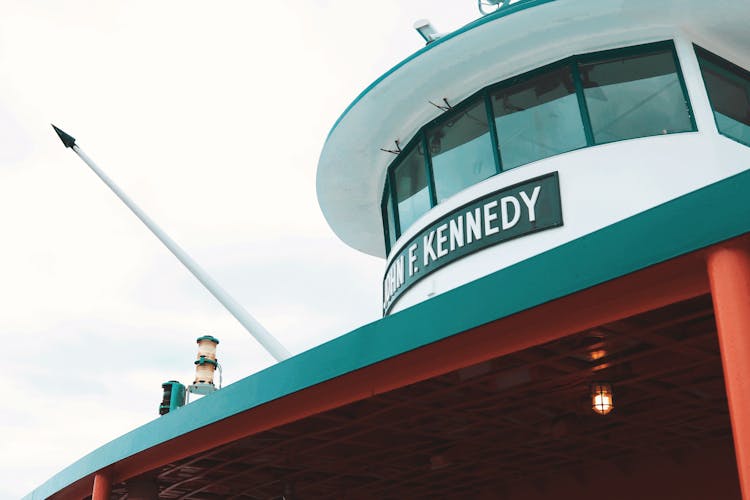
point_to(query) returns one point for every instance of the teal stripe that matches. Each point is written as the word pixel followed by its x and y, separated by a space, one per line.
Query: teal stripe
pixel 505 11
pixel 699 219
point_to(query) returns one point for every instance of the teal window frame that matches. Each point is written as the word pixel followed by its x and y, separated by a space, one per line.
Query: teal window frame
pixel 530 75
pixel 386 220
pixel 593 57
pixel 477 99
pixel 390 186
pixel 420 138
pixel 725 65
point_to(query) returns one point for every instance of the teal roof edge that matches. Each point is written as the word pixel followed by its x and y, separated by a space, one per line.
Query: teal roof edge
pixel 720 210
pixel 505 11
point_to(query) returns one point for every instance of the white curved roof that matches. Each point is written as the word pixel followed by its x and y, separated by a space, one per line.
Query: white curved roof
pixel 518 38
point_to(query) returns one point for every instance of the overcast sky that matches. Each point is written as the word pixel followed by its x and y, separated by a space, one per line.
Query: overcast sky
pixel 211 116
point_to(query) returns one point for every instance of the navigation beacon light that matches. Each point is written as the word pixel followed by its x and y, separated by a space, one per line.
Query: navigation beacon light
pixel 205 366
pixel 176 395
pixel 173 396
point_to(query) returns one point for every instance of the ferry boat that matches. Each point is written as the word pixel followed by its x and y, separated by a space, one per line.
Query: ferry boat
pixel 560 192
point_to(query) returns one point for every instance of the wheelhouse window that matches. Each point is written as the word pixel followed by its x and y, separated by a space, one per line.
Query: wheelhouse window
pixel 537 118
pixel 461 150
pixel 728 88
pixel 581 101
pixel 412 193
pixel 635 95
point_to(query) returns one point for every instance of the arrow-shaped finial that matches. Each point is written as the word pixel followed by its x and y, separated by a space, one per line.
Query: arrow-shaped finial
pixel 66 139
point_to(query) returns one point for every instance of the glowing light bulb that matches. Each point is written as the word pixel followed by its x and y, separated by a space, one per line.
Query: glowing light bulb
pixel 602 400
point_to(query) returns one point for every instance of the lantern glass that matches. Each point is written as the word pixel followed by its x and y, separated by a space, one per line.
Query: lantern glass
pixel 602 400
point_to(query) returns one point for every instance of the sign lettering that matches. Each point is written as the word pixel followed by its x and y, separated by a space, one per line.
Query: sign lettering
pixel 525 208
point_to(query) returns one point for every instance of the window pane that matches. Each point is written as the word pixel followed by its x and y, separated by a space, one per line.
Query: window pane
pixel 389 219
pixel 538 118
pixel 461 151
pixel 634 96
pixel 412 194
pixel 729 92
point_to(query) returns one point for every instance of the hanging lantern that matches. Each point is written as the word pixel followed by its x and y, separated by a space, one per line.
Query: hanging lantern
pixel 602 400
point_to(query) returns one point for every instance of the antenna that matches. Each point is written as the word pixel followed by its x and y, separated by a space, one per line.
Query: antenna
pixel 486 6
pixel 268 341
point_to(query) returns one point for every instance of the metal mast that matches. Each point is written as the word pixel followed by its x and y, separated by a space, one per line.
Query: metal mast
pixel 268 341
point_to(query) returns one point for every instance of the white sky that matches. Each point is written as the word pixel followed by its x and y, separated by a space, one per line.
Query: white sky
pixel 211 116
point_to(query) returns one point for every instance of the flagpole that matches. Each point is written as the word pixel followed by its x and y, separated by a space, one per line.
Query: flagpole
pixel 268 341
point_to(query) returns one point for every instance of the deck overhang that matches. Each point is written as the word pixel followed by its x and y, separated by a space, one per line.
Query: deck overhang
pixel 617 278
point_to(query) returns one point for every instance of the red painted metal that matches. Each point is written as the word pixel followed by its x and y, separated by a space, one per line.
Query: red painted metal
pixel 660 285
pixel 102 486
pixel 676 280
pixel 729 273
